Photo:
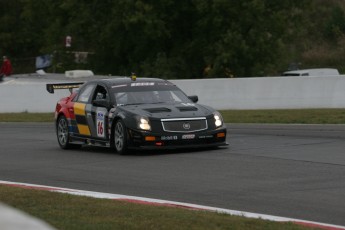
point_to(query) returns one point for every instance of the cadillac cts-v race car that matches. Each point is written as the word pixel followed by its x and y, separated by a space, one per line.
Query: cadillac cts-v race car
pixel 134 113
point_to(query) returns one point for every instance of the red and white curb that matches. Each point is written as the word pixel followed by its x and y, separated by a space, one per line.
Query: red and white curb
pixel 157 202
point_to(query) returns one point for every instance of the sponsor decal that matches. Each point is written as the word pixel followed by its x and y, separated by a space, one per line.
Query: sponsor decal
pixel 168 138
pixel 165 83
pixel 100 123
pixel 205 137
pixel 188 136
pixel 143 84
pixel 66 86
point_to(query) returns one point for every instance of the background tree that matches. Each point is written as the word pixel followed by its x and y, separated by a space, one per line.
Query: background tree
pixel 176 39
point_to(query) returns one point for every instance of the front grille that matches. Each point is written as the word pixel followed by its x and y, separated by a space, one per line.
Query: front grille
pixel 185 125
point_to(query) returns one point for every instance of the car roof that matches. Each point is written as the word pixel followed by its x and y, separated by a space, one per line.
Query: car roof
pixel 126 80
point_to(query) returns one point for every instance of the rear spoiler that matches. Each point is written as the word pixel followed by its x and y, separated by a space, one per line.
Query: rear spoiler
pixel 70 86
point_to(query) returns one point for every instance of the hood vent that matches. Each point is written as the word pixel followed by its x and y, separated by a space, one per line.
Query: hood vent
pixel 187 108
pixel 158 110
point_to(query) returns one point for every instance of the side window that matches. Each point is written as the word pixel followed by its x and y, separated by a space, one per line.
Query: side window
pixel 85 93
pixel 100 93
pixel 122 98
pixel 175 96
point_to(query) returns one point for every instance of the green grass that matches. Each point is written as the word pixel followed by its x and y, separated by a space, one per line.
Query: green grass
pixel 287 116
pixel 26 117
pixel 65 211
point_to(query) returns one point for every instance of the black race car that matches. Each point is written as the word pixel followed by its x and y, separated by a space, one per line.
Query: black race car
pixel 135 113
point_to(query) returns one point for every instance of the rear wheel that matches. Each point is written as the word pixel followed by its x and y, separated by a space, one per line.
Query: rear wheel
pixel 120 137
pixel 62 133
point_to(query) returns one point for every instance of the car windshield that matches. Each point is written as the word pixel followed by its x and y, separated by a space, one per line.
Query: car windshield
pixel 148 94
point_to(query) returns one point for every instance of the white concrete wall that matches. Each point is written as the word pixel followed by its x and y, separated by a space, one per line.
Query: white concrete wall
pixel 232 93
pixel 28 98
pixel 268 92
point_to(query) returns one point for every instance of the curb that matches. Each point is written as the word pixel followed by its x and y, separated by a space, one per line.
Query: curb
pixel 157 202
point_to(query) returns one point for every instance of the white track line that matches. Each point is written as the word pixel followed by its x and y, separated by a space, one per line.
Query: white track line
pixel 149 201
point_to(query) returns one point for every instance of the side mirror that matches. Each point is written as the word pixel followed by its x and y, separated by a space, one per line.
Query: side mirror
pixel 101 103
pixel 194 98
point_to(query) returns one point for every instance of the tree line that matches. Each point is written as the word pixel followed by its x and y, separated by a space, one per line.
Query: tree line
pixel 176 39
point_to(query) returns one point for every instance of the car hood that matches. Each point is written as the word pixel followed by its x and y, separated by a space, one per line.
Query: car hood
pixel 165 111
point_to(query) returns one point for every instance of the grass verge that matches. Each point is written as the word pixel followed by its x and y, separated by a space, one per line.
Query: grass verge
pixel 26 117
pixel 65 211
pixel 286 116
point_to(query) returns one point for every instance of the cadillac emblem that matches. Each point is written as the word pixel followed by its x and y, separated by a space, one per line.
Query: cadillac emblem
pixel 186 125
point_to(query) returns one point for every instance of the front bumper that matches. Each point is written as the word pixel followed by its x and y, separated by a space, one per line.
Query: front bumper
pixel 170 140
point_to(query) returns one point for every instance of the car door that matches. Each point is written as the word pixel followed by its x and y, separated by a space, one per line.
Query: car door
pixel 97 113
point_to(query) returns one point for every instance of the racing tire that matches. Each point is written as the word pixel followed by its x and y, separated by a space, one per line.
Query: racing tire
pixel 120 137
pixel 63 135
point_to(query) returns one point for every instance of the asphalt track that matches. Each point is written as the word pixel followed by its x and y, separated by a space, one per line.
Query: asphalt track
pixel 295 171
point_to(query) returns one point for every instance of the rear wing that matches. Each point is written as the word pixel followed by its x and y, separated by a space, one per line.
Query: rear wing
pixel 70 86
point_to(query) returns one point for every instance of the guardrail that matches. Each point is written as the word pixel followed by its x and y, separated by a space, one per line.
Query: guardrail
pixel 30 95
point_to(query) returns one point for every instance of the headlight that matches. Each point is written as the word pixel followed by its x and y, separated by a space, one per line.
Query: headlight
pixel 218 120
pixel 144 123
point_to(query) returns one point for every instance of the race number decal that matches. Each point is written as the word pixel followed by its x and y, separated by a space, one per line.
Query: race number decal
pixel 100 123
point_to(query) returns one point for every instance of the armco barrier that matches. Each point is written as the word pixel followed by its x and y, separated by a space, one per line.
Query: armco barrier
pixel 30 95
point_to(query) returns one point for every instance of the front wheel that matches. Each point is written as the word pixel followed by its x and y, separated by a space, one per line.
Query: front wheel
pixel 120 137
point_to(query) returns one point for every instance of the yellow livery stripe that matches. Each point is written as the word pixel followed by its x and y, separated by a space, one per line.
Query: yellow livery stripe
pixel 79 109
pixel 84 130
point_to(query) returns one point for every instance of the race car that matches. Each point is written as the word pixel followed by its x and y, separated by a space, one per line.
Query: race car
pixel 134 113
